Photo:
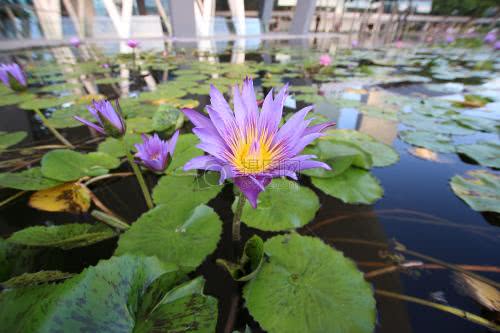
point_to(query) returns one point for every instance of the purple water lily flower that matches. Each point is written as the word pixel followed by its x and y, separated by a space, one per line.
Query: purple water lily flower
pixel 13 77
pixel 109 120
pixel 155 153
pixel 132 43
pixel 450 39
pixel 354 43
pixel 249 146
pixel 75 42
pixel 496 46
pixel 490 38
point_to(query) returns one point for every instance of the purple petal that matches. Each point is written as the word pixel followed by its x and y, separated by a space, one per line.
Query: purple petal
pixel 225 124
pixel 304 141
pixel 291 129
pixel 197 118
pixel 172 143
pixel 4 76
pixel 272 110
pixel 90 124
pixel 319 127
pixel 219 103
pixel 251 187
pixel 249 98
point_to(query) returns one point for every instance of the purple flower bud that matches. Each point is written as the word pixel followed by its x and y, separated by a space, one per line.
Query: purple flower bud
pixel 109 120
pixel 75 41
pixel 155 153
pixel 490 38
pixel 132 43
pixel 354 43
pixel 13 77
pixel 450 39
pixel 496 46
pixel 325 60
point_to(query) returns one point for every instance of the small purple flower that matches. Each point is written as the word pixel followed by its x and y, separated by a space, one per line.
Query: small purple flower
pixel 132 43
pixel 248 145
pixel 13 77
pixel 109 121
pixel 325 60
pixel 450 39
pixel 496 46
pixel 156 153
pixel 490 38
pixel 75 42
pixel 355 43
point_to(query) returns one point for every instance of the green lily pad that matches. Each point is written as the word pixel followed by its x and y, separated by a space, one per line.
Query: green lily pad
pixel 8 139
pixel 250 262
pixel 185 190
pixel 10 99
pixel 27 180
pixel 478 123
pixel 352 186
pixel 185 150
pixel 181 236
pixel 60 87
pixel 64 117
pixel 66 236
pixel 382 154
pixel 480 190
pixel 67 165
pixel 139 125
pixel 28 279
pixel 486 153
pixel 307 286
pixel 114 296
pixel 167 118
pixel 284 205
pixel 41 103
pixel 440 143
pixel 114 147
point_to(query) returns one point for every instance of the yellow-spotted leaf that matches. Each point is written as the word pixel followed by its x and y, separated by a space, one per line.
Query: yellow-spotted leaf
pixel 69 197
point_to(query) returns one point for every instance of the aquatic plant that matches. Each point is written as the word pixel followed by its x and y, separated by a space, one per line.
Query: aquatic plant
pixel 490 37
pixel 132 43
pixel 325 60
pixel 250 147
pixel 75 41
pixel 110 121
pixel 154 153
pixel 13 77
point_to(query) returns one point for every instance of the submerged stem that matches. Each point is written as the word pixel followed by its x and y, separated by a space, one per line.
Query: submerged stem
pixel 455 311
pixel 58 135
pixel 237 217
pixel 140 178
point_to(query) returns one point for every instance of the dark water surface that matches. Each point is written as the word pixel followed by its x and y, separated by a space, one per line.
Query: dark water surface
pixel 418 210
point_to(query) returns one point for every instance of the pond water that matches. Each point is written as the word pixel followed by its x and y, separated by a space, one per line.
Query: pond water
pixel 448 94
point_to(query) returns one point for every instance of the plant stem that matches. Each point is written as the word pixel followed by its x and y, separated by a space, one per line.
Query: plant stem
pixel 58 135
pixel 12 197
pixel 140 178
pixel 455 311
pixel 237 217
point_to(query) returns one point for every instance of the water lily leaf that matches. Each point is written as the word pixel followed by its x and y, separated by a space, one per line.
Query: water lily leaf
pixel 41 103
pixel 185 150
pixel 250 262
pixel 352 186
pixel 283 205
pixel 8 139
pixel 181 236
pixel 303 275
pixel 478 123
pixel 66 236
pixel 64 117
pixel 440 143
pixel 486 153
pixel 382 155
pixel 67 165
pixel 28 279
pixel 139 125
pixel 27 180
pixel 480 190
pixel 71 197
pixel 60 87
pixel 10 99
pixel 162 92
pixel 167 118
pixel 103 298
pixel 183 190
pixel 114 147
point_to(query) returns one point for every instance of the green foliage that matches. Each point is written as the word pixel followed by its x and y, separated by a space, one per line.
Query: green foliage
pixel 250 262
pixel 480 190
pixel 462 7
pixel 10 139
pixel 27 180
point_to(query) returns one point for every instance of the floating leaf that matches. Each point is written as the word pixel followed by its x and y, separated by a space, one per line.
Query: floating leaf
pixel 307 286
pixel 64 117
pixel 382 154
pixel 185 150
pixel 10 139
pixel 67 165
pixel 10 99
pixel 181 236
pixel 250 262
pixel 139 125
pixel 436 142
pixel 28 279
pixel 114 147
pixel 478 123
pixel 71 197
pixel 352 186
pixel 41 103
pixel 486 153
pixel 480 190
pixel 104 298
pixel 27 180
pixel 186 190
pixel 66 236
pixel 283 205
pixel 167 118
